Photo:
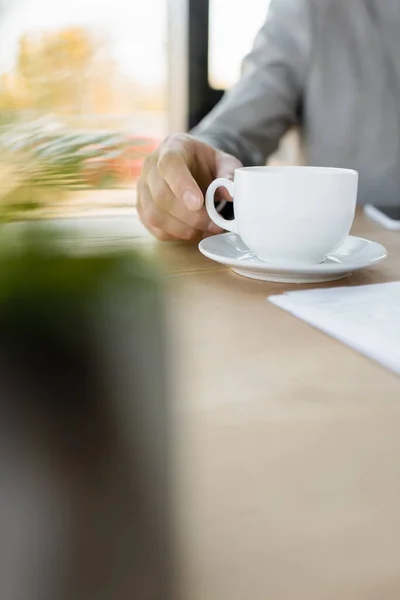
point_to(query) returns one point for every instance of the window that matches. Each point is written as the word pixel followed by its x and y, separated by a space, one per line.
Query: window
pixel 83 100
pixel 230 39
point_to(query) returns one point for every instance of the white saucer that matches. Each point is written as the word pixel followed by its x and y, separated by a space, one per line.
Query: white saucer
pixel 355 254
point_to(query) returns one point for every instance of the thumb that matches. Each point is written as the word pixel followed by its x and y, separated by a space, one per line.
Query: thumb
pixel 225 167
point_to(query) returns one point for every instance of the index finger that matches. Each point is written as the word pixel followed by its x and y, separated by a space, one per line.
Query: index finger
pixel 173 168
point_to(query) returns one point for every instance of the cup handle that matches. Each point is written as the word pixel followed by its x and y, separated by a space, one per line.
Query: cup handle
pixel 210 204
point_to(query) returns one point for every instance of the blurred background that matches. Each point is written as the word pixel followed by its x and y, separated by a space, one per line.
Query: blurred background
pixel 88 89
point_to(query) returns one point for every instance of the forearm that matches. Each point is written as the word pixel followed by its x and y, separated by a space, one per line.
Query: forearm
pixel 230 143
pixel 252 118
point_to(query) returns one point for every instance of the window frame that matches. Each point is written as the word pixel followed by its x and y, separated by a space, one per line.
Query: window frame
pixel 202 97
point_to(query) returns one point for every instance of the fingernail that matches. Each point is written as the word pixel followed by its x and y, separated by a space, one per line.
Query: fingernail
pixel 191 200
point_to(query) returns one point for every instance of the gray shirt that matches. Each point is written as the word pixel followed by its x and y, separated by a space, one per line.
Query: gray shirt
pixel 331 67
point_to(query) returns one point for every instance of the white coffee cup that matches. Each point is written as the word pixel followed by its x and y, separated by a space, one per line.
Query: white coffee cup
pixel 289 214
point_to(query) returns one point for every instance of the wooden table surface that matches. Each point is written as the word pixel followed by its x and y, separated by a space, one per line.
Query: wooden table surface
pixel 289 445
pixel 288 442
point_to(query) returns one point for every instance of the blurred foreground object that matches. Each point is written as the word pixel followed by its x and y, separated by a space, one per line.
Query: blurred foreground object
pixel 47 167
pixel 84 502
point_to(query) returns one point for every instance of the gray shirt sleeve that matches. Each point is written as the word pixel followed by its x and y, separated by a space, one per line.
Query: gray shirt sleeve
pixel 252 117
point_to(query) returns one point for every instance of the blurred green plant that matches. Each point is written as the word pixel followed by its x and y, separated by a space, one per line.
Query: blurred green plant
pixel 43 156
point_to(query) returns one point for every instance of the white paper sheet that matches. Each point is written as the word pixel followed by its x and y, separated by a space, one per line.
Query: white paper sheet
pixel 367 318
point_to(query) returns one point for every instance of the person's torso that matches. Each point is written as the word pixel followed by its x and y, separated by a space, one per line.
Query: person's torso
pixel 351 105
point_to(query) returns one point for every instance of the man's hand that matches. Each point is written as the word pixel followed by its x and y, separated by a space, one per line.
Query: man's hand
pixel 172 187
